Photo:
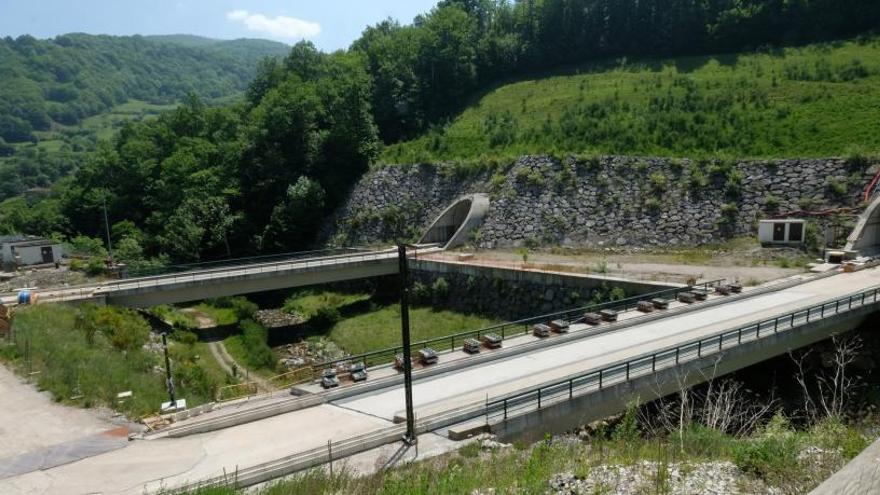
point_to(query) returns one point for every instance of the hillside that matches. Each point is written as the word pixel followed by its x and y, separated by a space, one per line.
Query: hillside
pixel 47 83
pixel 59 96
pixel 818 100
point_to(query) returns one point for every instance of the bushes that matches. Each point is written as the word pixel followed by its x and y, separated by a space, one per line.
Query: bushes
pixel 254 337
pixel 124 329
pixel 771 453
pixel 241 306
pixel 95 353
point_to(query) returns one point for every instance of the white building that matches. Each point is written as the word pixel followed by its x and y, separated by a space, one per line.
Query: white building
pixel 15 252
pixel 785 231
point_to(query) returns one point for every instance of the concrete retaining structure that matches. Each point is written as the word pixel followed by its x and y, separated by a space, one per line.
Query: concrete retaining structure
pixel 564 416
pixel 598 202
pixel 519 293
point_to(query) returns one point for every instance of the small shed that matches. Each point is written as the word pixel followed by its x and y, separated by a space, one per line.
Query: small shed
pixel 785 231
pixel 30 251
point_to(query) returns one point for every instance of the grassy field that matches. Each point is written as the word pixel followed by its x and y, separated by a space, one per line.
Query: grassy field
pixel 105 125
pixel 815 101
pixel 85 356
pixel 357 327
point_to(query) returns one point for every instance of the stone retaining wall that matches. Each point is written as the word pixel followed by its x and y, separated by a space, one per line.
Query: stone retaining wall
pixel 513 294
pixel 598 202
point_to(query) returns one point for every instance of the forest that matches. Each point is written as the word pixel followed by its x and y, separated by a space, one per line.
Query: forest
pixel 261 173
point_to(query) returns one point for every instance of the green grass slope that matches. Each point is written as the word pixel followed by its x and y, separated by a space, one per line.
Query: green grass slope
pixel 818 100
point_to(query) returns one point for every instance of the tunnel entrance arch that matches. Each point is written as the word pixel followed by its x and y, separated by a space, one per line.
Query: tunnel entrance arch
pixel 453 226
pixel 865 237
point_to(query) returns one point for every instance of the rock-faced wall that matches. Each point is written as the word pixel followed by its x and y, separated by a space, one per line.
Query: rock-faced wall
pixel 599 202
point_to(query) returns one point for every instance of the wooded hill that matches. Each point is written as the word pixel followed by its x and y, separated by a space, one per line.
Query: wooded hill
pixel 262 174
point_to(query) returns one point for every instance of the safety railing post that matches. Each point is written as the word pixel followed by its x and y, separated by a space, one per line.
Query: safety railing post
pixel 505 409
pixel 792 320
pixel 539 398
pixel 653 363
pixel 570 389
pixel 850 302
pixel 699 348
pixel 776 325
pixel 822 312
pixel 720 341
pixel 600 379
pixel 627 371
pixel 677 349
pixel 739 336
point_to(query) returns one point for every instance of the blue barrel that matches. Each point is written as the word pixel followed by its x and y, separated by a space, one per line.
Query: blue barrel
pixel 24 297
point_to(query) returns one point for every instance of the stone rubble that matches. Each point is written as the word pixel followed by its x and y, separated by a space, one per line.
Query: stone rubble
pixel 705 478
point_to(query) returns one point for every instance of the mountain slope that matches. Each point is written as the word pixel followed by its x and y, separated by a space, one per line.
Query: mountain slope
pixel 45 83
pixel 818 100
pixel 58 97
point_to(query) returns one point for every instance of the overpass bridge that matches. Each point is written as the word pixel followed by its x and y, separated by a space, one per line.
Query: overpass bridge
pixel 530 384
pixel 243 278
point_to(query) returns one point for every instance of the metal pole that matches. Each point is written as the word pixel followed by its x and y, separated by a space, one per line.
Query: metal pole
pixel 168 382
pixel 410 436
pixel 107 229
pixel 330 456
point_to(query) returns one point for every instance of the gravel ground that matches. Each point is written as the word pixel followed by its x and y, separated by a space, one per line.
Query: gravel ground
pixel 31 420
pixel 709 478
pixel 42 278
pixel 752 265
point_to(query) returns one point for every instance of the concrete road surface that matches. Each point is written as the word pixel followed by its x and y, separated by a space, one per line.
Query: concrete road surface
pixel 147 463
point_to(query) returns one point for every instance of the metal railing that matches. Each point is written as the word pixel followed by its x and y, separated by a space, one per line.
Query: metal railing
pixel 649 363
pixel 86 291
pixel 536 398
pixel 89 291
pixel 511 329
pixel 331 451
pixel 228 263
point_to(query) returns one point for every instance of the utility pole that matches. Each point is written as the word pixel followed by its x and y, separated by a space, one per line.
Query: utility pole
pixel 168 381
pixel 107 229
pixel 410 436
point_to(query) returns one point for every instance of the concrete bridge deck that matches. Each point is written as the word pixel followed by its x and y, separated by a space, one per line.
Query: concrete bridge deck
pixel 172 461
pixel 227 281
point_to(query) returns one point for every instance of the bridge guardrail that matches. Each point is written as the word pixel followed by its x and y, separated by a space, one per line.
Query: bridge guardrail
pixel 333 450
pixel 229 263
pixel 649 363
pixel 537 397
pixel 510 329
pixel 61 294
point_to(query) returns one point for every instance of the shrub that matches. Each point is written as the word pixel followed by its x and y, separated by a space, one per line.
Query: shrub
pixel 729 213
pixel 440 288
pixel 254 339
pixel 769 455
pixel 733 184
pixel 185 337
pixel 771 202
pixel 697 180
pixel 124 329
pixel 325 317
pixel 836 187
pixel 95 266
pixel 652 205
pixel 659 183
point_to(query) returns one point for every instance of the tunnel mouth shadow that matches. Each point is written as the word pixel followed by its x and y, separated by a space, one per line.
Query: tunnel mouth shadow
pixel 453 226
